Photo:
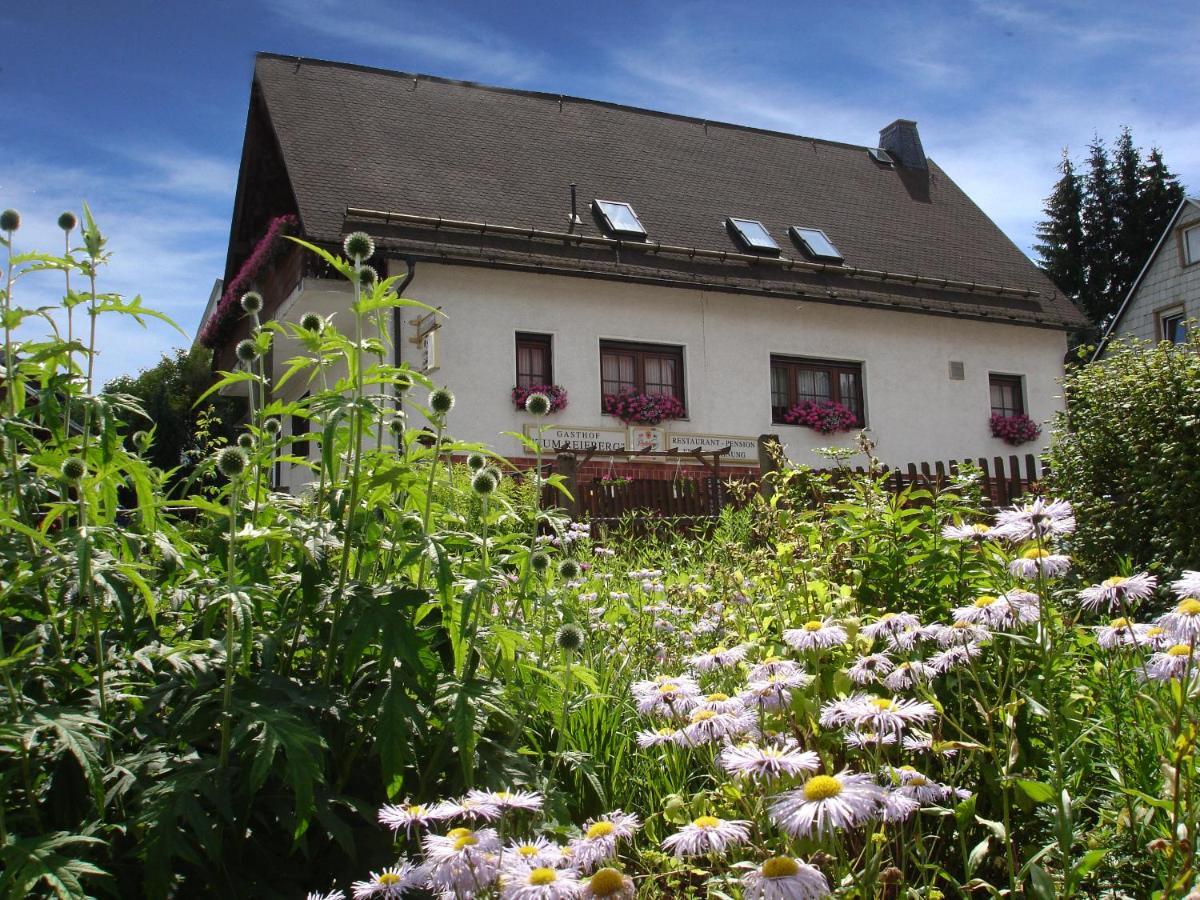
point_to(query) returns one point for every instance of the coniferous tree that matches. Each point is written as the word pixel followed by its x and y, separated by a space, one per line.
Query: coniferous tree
pixel 1128 212
pixel 1160 196
pixel 1060 236
pixel 1100 234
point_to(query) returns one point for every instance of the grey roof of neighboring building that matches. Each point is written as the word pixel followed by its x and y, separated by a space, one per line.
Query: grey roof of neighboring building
pixel 355 137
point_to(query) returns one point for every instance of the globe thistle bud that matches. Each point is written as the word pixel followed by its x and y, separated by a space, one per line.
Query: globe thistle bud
pixel 396 423
pixel 483 483
pixel 272 427
pixel 367 276
pixel 539 562
pixel 568 569
pixel 310 321
pixel 570 638
pixel 67 221
pixel 10 220
pixel 476 461
pixel 537 404
pixel 252 302
pixel 403 382
pixel 246 350
pixel 359 246
pixel 441 401
pixel 495 473
pixel 231 461
pixel 73 469
pixel 246 441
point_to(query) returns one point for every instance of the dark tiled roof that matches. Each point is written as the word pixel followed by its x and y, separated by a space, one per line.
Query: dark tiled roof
pixel 358 137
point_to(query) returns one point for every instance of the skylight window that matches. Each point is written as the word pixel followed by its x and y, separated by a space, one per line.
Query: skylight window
pixel 881 156
pixel 753 234
pixel 816 244
pixel 619 219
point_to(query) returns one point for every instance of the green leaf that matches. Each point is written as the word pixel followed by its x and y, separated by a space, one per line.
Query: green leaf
pixel 1041 882
pixel 1037 791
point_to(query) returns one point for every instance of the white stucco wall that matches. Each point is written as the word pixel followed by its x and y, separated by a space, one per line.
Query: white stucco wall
pixel 914 410
pixel 1167 286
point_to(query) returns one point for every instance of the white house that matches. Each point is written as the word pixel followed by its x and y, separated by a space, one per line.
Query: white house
pixel 1166 293
pixel 608 249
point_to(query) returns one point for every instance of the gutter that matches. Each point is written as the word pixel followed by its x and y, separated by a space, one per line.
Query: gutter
pixel 397 312
pixel 617 244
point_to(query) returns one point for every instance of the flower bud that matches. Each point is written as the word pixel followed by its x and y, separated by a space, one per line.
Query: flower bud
pixel 67 221
pixel 252 302
pixel 441 401
pixel 10 220
pixel 359 246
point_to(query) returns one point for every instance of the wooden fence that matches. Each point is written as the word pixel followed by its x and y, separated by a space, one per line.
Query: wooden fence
pixel 700 494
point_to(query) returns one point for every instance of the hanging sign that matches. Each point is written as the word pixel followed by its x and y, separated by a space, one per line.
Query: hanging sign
pixel 569 437
pixel 742 450
pixel 645 437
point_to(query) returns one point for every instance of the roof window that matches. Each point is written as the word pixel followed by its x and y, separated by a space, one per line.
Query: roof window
pixel 816 244
pixel 618 218
pixel 753 235
pixel 881 156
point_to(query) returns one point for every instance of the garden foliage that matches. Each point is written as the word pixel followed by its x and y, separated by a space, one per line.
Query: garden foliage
pixel 412 675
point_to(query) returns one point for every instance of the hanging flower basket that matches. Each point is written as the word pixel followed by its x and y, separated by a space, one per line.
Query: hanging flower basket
pixel 1015 430
pixel 642 409
pixel 556 393
pixel 825 416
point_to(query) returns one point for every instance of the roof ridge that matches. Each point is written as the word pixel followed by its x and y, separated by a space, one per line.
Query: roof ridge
pixel 553 97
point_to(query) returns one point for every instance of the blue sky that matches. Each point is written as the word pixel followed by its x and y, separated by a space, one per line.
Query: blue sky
pixel 138 107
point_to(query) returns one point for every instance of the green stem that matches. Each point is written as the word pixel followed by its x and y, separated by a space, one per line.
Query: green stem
pixel 230 589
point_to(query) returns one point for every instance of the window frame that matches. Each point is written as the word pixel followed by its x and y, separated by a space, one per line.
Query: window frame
pixel 735 226
pixel 834 368
pixel 797 234
pixel 611 227
pixel 531 340
pixel 1171 314
pixel 1017 382
pixel 1184 231
pixel 641 351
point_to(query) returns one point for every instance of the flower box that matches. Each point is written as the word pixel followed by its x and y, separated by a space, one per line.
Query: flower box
pixel 1015 430
pixel 643 409
pixel 825 416
pixel 556 393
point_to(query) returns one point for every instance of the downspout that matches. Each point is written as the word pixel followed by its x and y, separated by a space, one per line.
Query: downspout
pixel 398 319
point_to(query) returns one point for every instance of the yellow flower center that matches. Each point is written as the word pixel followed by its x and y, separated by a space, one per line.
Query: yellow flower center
pixel 417 810
pixel 717 697
pixel 1189 607
pixel 822 787
pixel 455 833
pixel 918 781
pixel 1122 622
pixel 668 688
pixel 813 625
pixel 707 822
pixel 770 660
pixel 1180 650
pixel 980 528
pixel 961 623
pixel 887 616
pixel 984 602
pixel 882 703
pixel 606 882
pixel 389 878
pixel 503 795
pixel 543 876
pixel 665 731
pixel 1154 631
pixel 703 715
pixel 780 867
pixel 717 651
pixel 1035 553
pixel 467 840
pixel 1114 581
pixel 601 829
pixel 527 850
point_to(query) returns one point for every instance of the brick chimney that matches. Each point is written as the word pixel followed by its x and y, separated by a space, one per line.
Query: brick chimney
pixel 902 141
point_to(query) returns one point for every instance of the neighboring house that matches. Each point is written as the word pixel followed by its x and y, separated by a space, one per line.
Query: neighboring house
pixel 605 248
pixel 1166 293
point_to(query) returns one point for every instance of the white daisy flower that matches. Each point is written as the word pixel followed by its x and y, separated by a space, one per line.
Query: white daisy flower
pixel 1111 593
pixel 610 883
pixel 1188 584
pixel 768 763
pixel 877 714
pixel 707 725
pixel 600 839
pixel 722 703
pixel 954 657
pixel 816 634
pixel 539 883
pixel 1172 663
pixel 870 668
pixel 409 816
pixel 897 806
pixel 1000 613
pixel 1121 632
pixel 976 533
pixel 332 895
pixel 530 801
pixel 867 740
pixel 909 673
pixel 707 834
pixel 656 737
pixel 534 852
pixel 388 884
pixel 827 803
pixel 1183 622
pixel 891 623
pixel 1041 518
pixel 905 638
pixel 772 665
pixel 961 631
pixel 922 741
pixel 463 861
pixel 665 696
pixel 1036 562
pixel 785 878
pixel 718 658
pixel 774 691
pixel 920 787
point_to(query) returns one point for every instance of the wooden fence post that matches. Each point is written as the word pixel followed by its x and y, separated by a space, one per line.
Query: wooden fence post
pixel 564 465
pixel 769 450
